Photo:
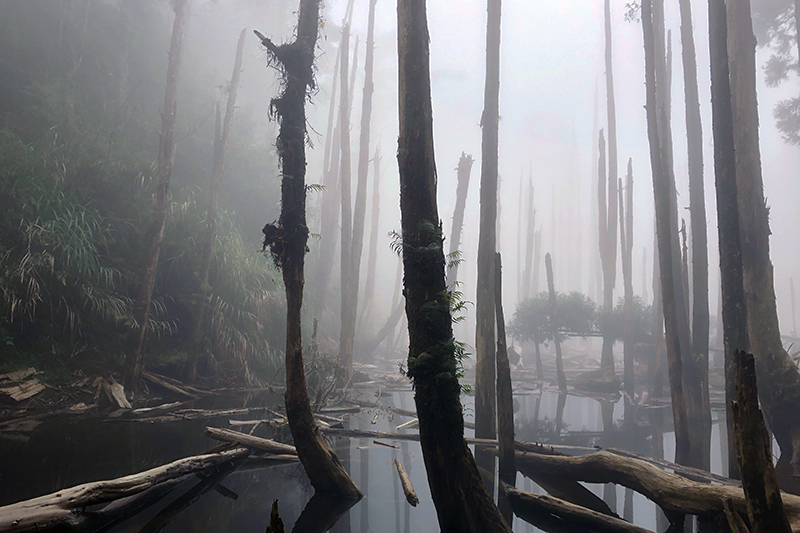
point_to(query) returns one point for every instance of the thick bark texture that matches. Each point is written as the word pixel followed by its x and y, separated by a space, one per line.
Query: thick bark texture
pixel 287 240
pixel 220 150
pixel 166 157
pixel 463 172
pixel 485 409
pixel 753 444
pixel 664 223
pixel 777 373
pixel 461 500
pixel 734 311
pixel 562 380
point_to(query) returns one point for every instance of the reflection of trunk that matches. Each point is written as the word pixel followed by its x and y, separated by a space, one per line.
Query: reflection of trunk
pixel 485 409
pixel 360 208
pixel 372 261
pixel 665 222
pixel 321 513
pixel 734 313
pixel 778 374
pixel 753 444
pixel 166 156
pixel 287 240
pixel 347 303
pixel 220 149
pixel 463 171
pixel 461 500
pixel 364 467
pixel 562 380
pixel 698 362
pixel 505 400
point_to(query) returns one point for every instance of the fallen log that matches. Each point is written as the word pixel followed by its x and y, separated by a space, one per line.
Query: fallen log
pixel 405 482
pixel 65 506
pixel 689 472
pixel 555 515
pixel 672 492
pixel 250 441
pixel 162 382
pixel 191 414
pixel 396 410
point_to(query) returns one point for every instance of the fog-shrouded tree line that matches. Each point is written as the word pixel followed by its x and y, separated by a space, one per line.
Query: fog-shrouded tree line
pixel 197 188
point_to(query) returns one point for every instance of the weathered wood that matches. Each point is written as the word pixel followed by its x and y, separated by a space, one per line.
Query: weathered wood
pixel 250 441
pixel 753 446
pixel 553 514
pixel 65 506
pixel 18 375
pixel 405 482
pixel 562 380
pixel 22 391
pixel 160 381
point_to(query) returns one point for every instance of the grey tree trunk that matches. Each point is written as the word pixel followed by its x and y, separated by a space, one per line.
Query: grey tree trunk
pixel 505 400
pixel 528 290
pixel 134 365
pixel 372 260
pixel 463 172
pixel 562 380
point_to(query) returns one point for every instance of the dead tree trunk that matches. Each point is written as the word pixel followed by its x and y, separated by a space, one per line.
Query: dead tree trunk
pixel 528 288
pixel 664 223
pixel 794 318
pixel 698 363
pixel 220 150
pixel 463 172
pixel 562 380
pixel 626 244
pixel 606 219
pixel 461 500
pixel 505 399
pixel 734 311
pixel 360 208
pixel 610 268
pixel 287 240
pixel 537 261
pixel 372 260
pixel 485 408
pixel 166 156
pixel 780 391
pixel 754 447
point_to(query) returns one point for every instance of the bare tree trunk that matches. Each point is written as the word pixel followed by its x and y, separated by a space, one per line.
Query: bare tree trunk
pixel 505 399
pixel 734 311
pixel 778 374
pixel 529 287
pixel 794 318
pixel 610 268
pixel 463 172
pixel 372 261
pixel 537 261
pixel 461 500
pixel 220 150
pixel 626 245
pixel 754 447
pixel 346 309
pixel 664 223
pixel 360 208
pixel 287 240
pixel 698 363
pixel 562 380
pixel 485 408
pixel 166 156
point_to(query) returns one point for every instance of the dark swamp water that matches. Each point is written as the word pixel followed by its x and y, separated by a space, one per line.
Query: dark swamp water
pixel 64 453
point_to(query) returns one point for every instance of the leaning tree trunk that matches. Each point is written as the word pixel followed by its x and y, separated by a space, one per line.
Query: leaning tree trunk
pixel 734 311
pixel 461 500
pixel 610 266
pixel 698 362
pixel 664 223
pixel 485 409
pixel 287 240
pixel 778 374
pixel 220 150
pixel 463 172
pixel 166 156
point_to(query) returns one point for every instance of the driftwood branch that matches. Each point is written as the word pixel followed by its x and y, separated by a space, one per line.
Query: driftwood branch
pixel 250 441
pixel 405 482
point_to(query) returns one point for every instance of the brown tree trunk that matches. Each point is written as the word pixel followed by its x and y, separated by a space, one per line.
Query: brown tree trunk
pixel 287 240
pixel 485 408
pixel 220 150
pixel 461 500
pixel 778 374
pixel 734 311
pixel 463 172
pixel 698 363
pixel 664 223
pixel 562 380
pixel 134 365
pixel 754 447
pixel 505 399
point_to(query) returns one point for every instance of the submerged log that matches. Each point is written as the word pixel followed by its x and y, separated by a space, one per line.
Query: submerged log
pixel 405 482
pixel 553 514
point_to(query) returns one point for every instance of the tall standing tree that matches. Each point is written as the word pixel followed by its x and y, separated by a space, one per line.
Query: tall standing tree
pixel 698 362
pixel 485 409
pixel 626 245
pixel 220 150
pixel 372 258
pixel 462 502
pixel 166 157
pixel 463 172
pixel 287 240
